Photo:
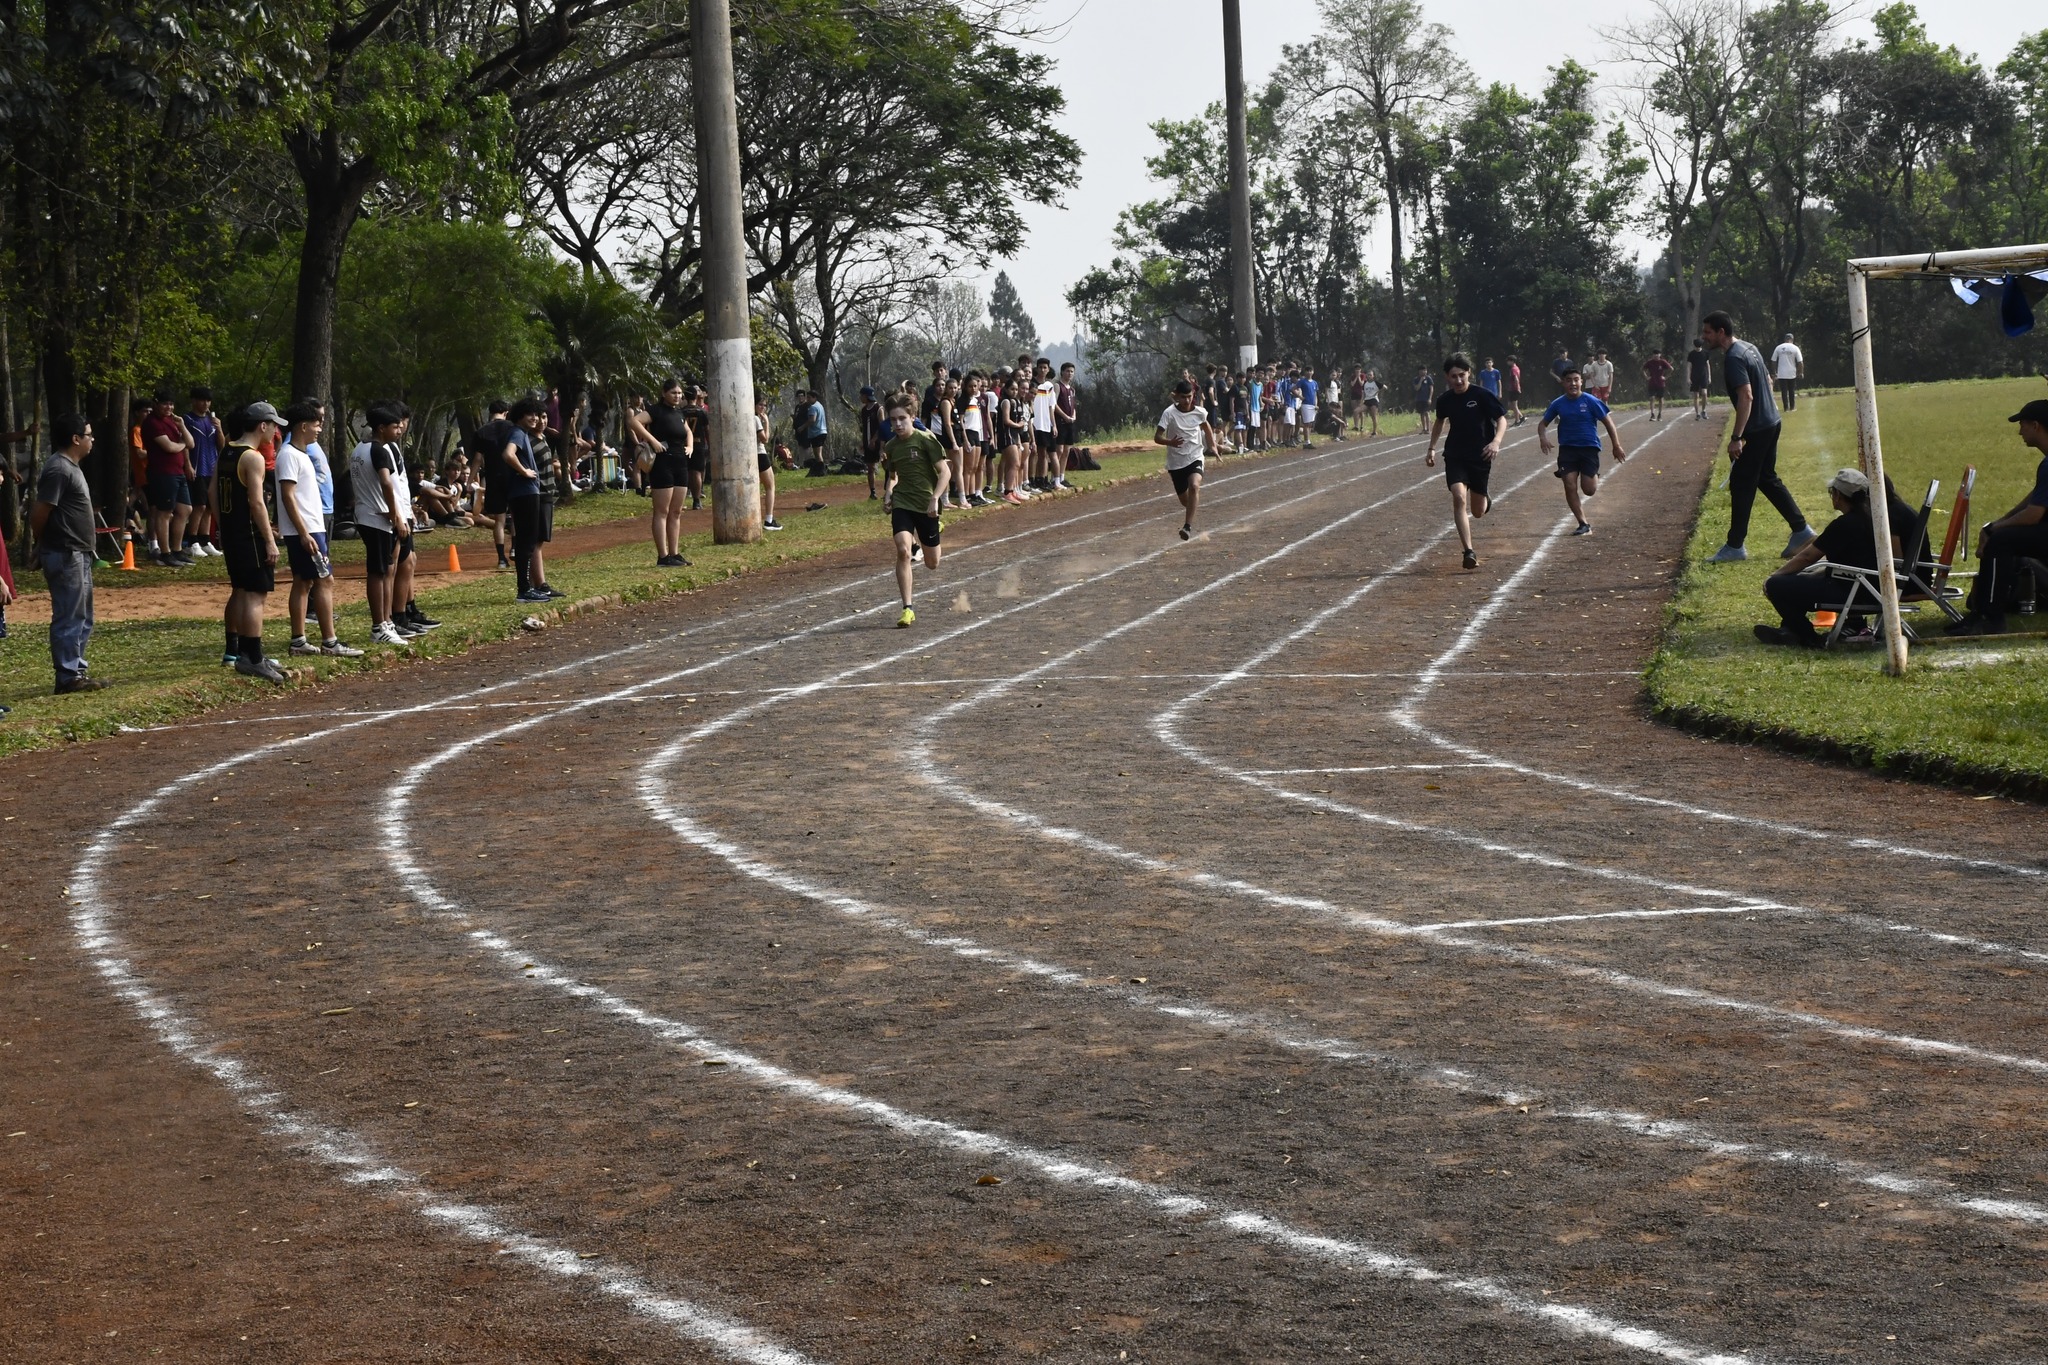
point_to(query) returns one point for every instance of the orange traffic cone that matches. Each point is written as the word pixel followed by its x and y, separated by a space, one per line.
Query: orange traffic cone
pixel 128 553
pixel 454 559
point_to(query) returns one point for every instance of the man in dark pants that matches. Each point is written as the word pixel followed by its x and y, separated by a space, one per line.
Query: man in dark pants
pixel 2020 534
pixel 62 523
pixel 1846 541
pixel 1754 446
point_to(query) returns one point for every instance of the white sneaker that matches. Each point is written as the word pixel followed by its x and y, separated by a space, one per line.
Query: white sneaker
pixel 386 634
pixel 335 649
pixel 303 646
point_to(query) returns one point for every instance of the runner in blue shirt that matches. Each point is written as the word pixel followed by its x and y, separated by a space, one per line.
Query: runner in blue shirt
pixel 1579 417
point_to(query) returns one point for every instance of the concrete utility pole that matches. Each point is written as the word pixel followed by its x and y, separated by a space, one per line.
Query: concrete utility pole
pixel 1243 299
pixel 728 345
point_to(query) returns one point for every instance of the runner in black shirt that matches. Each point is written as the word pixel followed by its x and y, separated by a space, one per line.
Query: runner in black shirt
pixel 1477 423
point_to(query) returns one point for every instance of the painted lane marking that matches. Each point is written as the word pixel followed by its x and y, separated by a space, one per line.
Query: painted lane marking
pixel 352 1156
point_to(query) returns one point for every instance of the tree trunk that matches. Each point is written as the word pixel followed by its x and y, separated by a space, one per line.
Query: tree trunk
pixel 334 189
pixel 1392 181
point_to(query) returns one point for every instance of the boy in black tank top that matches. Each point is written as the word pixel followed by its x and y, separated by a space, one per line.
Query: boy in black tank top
pixel 248 541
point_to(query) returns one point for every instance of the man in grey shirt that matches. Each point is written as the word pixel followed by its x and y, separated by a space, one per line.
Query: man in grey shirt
pixel 63 526
pixel 1754 446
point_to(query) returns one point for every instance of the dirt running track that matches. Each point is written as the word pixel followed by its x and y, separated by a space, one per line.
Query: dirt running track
pixel 1279 947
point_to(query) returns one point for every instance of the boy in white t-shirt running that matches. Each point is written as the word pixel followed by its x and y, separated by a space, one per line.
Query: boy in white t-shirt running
pixel 1185 432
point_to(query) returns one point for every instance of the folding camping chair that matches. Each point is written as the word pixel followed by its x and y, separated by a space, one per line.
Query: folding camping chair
pixel 1920 579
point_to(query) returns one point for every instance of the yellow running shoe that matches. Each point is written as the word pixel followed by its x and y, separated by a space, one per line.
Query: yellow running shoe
pixel 906 618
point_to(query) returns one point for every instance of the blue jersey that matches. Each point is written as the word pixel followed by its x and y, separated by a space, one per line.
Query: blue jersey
pixel 1577 419
pixel 1287 387
pixel 1309 390
pixel 1490 381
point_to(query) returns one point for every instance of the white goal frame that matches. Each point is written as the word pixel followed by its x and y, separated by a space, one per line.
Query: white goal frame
pixel 2003 260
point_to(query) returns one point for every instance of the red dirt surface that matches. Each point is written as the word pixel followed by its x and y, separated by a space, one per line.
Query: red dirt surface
pixel 1172 941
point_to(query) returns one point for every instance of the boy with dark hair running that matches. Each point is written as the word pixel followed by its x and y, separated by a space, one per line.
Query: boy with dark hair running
pixel 1185 432
pixel 1477 423
pixel 918 477
pixel 1579 415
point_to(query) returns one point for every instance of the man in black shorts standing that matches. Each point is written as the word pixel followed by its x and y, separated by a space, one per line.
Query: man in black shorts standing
pixel 1185 431
pixel 1478 423
pixel 1699 368
pixel 248 541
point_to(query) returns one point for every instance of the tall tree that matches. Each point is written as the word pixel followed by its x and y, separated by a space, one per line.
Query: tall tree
pixel 1006 313
pixel 1392 65
pixel 1779 163
pixel 1681 101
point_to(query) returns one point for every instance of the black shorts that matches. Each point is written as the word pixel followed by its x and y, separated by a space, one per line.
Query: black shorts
pixel 699 459
pixel 670 471
pixel 763 462
pixel 167 491
pixel 1184 476
pixel 544 521
pixel 1578 460
pixel 248 570
pixel 922 525
pixel 1511 395
pixel 383 551
pixel 1473 473
pixel 815 444
pixel 1048 441
pixel 494 503
pixel 1064 429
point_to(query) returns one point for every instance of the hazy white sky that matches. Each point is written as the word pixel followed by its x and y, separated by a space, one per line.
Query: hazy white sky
pixel 1126 63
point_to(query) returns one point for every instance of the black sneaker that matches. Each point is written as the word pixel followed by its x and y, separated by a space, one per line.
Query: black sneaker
pixel 420 619
pixel 1974 624
pixel 1471 560
pixel 555 593
pixel 1186 532
pixel 82 684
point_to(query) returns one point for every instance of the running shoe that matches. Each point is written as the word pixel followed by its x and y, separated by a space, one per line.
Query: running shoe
pixel 1186 531
pixel 386 633
pixel 420 619
pixel 228 660
pixel 265 669
pixel 302 646
pixel 85 684
pixel 1471 560
pixel 1800 539
pixel 406 630
pixel 1585 529
pixel 335 649
pixel 551 591
pixel 916 553
pixel 532 595
pixel 1011 497
pixel 1729 554
pixel 771 524
pixel 976 500
pixel 906 618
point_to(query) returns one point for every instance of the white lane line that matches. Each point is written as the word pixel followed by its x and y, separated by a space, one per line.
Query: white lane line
pixel 1165 725
pixel 351 1155
pixel 1600 915
pixel 1374 768
pixel 655 793
pixel 353 1158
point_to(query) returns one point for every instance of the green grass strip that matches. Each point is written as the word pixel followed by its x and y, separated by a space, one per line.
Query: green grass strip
pixel 1971 713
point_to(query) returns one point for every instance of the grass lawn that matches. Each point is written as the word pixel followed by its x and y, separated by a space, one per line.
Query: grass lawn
pixel 1973 711
pixel 164 670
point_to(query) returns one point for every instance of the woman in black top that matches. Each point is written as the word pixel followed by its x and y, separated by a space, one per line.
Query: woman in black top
pixel 665 430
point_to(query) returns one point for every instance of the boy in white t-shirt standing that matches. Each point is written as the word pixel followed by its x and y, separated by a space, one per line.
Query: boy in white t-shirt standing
pixel 1045 428
pixel 384 521
pixel 1788 367
pixel 301 519
pixel 1185 432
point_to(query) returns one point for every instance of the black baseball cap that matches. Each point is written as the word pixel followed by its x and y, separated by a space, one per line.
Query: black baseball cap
pixel 2036 411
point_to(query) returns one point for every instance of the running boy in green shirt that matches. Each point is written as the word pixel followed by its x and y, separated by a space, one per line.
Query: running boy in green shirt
pixel 918 474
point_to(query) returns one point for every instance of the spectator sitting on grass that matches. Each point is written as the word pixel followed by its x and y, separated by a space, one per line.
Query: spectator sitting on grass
pixel 441 503
pixel 1846 541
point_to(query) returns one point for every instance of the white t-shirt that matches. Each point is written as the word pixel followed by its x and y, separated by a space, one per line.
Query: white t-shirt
pixel 369 489
pixel 1787 359
pixel 1188 426
pixel 1372 392
pixel 296 467
pixel 1599 374
pixel 1042 400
